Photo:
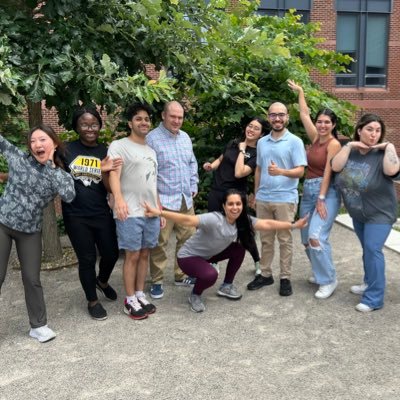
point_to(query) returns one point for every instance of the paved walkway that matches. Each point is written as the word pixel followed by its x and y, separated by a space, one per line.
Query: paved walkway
pixel 392 242
pixel 261 347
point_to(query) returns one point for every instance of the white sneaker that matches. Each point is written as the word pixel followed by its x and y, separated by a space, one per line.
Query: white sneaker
pixel 363 308
pixel 312 280
pixel 359 289
pixel 43 334
pixel 325 291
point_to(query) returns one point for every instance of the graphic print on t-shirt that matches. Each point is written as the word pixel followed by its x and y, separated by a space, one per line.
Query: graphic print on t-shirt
pixel 356 179
pixel 86 168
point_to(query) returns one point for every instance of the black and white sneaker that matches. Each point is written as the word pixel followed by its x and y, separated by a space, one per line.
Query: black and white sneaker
pixel 134 310
pixel 146 305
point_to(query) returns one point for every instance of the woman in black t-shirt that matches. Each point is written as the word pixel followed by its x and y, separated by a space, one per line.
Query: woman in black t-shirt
pixel 88 219
pixel 233 167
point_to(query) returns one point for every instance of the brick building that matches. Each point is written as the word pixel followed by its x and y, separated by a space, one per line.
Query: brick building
pixel 368 31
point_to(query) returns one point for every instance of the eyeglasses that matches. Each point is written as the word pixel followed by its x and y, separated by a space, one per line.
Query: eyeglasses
pixel 93 127
pixel 275 116
pixel 254 127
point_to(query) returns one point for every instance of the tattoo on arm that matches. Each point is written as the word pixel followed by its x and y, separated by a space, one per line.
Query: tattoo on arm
pixel 392 156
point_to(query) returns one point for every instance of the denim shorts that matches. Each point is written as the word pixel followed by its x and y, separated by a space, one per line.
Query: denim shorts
pixel 138 233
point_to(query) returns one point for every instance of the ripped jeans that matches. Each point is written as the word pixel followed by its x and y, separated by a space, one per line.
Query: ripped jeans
pixel 319 229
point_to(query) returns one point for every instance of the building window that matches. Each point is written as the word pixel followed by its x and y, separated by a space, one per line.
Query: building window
pixel 362 32
pixel 280 7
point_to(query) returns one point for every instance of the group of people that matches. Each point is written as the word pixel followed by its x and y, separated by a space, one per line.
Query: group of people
pixel 133 195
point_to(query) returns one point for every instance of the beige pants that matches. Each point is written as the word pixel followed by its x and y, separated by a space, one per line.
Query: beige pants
pixel 279 212
pixel 158 255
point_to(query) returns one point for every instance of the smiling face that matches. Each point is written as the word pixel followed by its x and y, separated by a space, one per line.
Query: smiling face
pixel 370 133
pixel 88 128
pixel 278 117
pixel 233 207
pixel 140 124
pixel 42 146
pixel 173 117
pixel 253 131
pixel 324 125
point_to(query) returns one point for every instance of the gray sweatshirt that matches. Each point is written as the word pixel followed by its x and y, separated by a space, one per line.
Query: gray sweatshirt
pixel 30 187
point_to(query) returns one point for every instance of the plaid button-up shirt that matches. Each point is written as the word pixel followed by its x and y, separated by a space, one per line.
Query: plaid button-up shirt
pixel 177 167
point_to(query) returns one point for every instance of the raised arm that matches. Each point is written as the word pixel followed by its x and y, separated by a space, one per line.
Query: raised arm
pixel 390 160
pixel 309 126
pixel 63 182
pixel 241 169
pixel 340 159
pixel 181 219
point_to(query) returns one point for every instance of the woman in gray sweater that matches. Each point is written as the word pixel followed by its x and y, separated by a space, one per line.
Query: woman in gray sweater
pixel 34 180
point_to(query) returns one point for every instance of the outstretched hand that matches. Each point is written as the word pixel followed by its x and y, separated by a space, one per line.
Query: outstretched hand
pixel 207 166
pixel 302 222
pixel 110 164
pixel 294 86
pixel 151 212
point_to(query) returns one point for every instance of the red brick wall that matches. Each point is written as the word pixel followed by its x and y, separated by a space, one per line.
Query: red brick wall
pixel 384 102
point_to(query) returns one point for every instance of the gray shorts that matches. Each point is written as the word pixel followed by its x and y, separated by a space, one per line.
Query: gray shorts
pixel 138 233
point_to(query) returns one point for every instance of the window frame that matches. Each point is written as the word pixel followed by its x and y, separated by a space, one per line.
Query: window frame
pixel 280 7
pixel 362 9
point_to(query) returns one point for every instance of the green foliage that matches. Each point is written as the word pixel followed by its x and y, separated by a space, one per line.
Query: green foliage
pixel 13 127
pixel 106 136
pixel 227 66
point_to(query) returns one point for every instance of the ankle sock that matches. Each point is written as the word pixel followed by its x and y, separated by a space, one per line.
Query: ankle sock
pixel 130 299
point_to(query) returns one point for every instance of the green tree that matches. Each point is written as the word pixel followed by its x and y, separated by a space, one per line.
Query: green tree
pixel 226 65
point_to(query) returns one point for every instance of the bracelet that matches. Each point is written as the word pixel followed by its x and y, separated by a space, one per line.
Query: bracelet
pixel 293 226
pixel 242 151
pixel 321 197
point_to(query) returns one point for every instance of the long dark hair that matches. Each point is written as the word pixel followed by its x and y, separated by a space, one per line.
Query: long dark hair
pixel 365 120
pixel 48 130
pixel 243 223
pixel 264 130
pixel 332 116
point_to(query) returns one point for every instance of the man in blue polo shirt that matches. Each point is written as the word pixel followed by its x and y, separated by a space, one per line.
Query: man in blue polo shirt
pixel 281 159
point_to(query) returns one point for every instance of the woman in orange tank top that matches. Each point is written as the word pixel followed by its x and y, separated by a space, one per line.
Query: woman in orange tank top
pixel 320 198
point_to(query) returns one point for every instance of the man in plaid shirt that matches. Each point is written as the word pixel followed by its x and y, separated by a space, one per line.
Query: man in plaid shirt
pixel 177 185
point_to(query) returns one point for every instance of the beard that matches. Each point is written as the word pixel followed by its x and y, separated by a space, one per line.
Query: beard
pixel 280 129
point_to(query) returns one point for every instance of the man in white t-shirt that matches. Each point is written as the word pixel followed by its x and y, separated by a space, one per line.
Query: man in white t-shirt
pixel 134 183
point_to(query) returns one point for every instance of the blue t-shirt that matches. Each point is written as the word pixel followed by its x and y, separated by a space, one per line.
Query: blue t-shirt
pixel 286 152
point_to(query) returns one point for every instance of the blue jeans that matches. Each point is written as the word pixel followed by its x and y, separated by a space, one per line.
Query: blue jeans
pixel 372 238
pixel 319 229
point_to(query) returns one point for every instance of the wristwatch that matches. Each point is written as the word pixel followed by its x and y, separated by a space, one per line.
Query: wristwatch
pixel 242 151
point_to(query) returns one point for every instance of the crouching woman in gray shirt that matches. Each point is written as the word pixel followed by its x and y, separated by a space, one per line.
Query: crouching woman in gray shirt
pixel 220 236
pixel 34 180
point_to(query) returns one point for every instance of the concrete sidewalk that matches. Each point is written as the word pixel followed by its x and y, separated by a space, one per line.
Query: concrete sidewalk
pixel 261 347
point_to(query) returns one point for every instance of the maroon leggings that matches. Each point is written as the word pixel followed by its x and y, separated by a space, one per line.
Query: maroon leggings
pixel 205 274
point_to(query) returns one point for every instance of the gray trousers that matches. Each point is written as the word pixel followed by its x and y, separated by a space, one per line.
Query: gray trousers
pixel 29 249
